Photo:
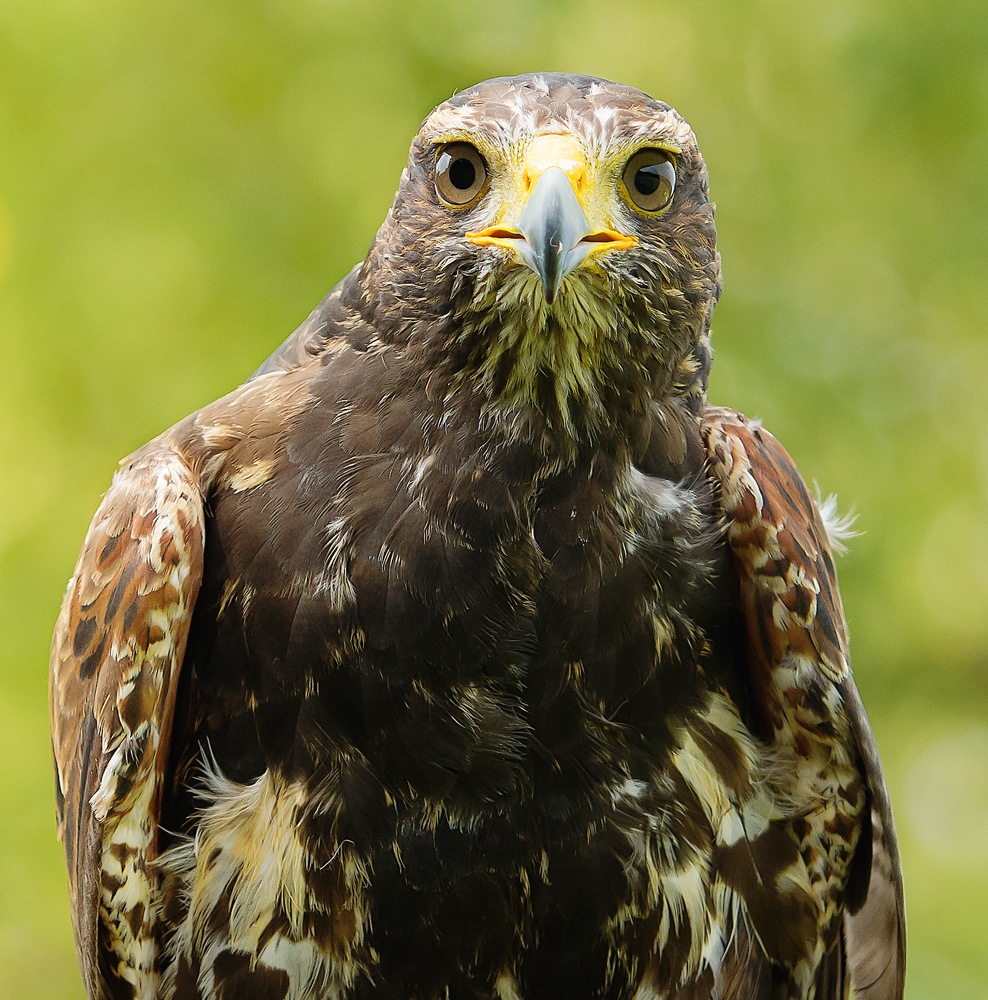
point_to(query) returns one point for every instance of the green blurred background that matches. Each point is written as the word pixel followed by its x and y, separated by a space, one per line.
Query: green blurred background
pixel 181 182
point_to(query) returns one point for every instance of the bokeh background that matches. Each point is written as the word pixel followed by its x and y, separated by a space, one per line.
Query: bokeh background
pixel 181 182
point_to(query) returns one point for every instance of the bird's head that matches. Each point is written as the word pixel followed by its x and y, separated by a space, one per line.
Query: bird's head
pixel 554 231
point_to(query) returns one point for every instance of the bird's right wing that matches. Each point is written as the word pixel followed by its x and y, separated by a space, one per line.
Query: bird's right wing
pixel 115 660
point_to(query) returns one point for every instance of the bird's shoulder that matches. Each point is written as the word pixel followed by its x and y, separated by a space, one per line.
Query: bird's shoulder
pixel 779 547
pixel 120 639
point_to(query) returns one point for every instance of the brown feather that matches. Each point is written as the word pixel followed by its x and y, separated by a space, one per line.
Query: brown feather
pixel 116 656
pixel 876 932
pixel 794 616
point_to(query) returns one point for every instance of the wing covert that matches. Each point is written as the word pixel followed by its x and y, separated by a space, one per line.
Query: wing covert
pixel 804 695
pixel 116 655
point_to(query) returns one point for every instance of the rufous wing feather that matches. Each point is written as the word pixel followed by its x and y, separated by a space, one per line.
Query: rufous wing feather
pixel 805 703
pixel 115 660
pixel 876 926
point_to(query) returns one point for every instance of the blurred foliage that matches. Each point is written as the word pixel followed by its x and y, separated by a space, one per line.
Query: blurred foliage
pixel 180 183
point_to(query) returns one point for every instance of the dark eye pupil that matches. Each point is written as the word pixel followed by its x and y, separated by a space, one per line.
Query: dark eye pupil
pixel 462 173
pixel 647 179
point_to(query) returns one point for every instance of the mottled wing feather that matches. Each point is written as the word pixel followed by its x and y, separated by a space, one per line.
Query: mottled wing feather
pixel 876 931
pixel 116 655
pixel 803 692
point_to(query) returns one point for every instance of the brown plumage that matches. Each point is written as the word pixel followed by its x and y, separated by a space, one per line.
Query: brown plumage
pixel 465 650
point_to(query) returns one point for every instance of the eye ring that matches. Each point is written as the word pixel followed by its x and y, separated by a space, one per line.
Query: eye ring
pixel 650 179
pixel 461 174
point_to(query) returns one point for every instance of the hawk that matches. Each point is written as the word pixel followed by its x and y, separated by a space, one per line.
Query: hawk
pixel 465 650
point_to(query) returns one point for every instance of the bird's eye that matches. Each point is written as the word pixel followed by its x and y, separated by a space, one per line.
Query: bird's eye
pixel 461 173
pixel 650 179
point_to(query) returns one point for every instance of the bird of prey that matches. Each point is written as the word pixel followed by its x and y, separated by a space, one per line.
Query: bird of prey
pixel 465 651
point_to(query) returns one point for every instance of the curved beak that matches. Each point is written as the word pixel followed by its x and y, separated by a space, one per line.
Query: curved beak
pixel 553 225
pixel 552 235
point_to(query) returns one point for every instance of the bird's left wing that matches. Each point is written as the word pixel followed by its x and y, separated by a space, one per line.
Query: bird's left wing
pixel 803 693
pixel 115 660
